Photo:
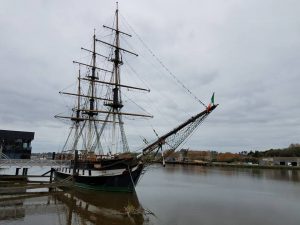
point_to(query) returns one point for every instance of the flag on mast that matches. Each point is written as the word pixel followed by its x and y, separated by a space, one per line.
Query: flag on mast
pixel 212 102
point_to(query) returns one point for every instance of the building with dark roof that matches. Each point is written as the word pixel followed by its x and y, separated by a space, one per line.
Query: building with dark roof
pixel 16 144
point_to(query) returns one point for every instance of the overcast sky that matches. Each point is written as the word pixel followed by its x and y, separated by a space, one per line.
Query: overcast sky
pixel 247 52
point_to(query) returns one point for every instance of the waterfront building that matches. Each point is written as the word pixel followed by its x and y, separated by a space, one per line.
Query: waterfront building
pixel 183 155
pixel 279 161
pixel 186 155
pixel 15 144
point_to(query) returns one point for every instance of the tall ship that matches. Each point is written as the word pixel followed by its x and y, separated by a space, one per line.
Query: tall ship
pixel 97 146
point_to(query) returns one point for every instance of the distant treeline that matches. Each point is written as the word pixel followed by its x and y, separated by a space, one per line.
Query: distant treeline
pixel 292 151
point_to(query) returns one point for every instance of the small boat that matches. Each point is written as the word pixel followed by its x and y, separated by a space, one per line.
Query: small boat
pixel 97 144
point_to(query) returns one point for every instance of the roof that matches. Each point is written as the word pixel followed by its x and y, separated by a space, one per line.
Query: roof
pixel 13 135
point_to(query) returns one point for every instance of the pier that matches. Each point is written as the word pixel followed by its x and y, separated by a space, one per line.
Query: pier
pixel 22 180
pixel 6 163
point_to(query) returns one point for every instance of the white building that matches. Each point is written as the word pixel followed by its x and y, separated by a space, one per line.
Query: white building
pixel 279 161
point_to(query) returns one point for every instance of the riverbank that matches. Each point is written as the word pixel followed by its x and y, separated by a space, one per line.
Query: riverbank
pixel 234 165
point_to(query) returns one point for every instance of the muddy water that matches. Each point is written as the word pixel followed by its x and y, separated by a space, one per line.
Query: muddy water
pixel 171 195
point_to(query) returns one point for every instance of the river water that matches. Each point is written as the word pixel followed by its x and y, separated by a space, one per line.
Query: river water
pixel 174 195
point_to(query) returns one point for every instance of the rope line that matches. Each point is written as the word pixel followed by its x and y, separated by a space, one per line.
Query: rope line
pixel 164 66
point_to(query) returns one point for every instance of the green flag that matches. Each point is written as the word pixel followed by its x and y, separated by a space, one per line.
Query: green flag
pixel 213 99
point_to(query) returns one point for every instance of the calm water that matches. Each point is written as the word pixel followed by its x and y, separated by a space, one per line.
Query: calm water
pixel 176 195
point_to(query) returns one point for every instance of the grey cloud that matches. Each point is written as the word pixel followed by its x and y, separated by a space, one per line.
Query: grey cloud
pixel 245 51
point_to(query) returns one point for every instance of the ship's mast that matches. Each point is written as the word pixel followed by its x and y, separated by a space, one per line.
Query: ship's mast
pixel 91 112
pixel 76 135
pixel 93 77
pixel 116 106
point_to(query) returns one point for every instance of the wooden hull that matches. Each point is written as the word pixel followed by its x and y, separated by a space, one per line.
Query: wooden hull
pixel 109 180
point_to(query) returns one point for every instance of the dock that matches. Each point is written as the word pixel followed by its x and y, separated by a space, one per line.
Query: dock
pixel 6 163
pixel 21 181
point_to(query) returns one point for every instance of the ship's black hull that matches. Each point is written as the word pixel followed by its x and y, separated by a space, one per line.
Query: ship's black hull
pixel 124 182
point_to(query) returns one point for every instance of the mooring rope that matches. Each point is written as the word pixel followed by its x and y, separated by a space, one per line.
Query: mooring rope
pixel 131 178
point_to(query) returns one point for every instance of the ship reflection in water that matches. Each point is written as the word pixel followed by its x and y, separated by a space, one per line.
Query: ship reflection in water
pixel 101 208
pixel 72 207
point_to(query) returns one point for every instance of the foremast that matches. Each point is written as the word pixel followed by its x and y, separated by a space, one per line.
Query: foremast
pixel 116 105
